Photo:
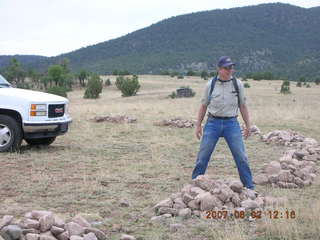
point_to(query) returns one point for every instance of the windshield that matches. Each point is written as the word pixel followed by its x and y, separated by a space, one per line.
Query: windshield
pixel 3 82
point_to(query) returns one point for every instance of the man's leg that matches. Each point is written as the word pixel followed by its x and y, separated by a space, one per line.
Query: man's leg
pixel 233 136
pixel 211 134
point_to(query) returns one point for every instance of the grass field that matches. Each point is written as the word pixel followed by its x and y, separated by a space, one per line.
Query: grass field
pixel 95 165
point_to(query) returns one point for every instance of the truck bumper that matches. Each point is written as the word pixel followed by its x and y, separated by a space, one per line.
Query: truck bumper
pixel 44 130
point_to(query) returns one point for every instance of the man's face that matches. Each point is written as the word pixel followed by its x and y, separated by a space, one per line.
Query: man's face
pixel 226 72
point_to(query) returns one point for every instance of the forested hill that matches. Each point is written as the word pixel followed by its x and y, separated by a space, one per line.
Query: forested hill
pixel 280 38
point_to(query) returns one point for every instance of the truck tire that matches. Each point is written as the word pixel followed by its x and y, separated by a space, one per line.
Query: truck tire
pixel 10 134
pixel 40 141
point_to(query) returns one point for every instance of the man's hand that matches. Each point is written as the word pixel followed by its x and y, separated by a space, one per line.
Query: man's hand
pixel 246 132
pixel 199 131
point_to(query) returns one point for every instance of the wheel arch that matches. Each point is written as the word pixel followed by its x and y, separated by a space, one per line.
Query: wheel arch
pixel 12 113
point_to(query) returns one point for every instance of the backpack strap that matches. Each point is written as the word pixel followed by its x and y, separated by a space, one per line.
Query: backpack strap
pixel 236 87
pixel 213 83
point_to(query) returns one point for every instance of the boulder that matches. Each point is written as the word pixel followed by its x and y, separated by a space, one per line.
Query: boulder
pixel 184 213
pixel 46 222
pixel 204 182
pixel 261 179
pixel 273 167
pixel 6 220
pixel 236 186
pixel 74 229
pixel 164 203
pixel 81 221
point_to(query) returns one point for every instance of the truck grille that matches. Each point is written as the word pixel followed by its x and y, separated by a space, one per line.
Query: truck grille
pixel 56 110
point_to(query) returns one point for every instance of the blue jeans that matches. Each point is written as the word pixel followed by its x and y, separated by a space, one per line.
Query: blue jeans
pixel 230 130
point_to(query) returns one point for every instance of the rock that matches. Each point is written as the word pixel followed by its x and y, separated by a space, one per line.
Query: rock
pixel 127 237
pixel 196 213
pixel 32 236
pixel 30 223
pixel 179 204
pixel 174 196
pixel 46 222
pixel 186 198
pixel 160 218
pixel 236 200
pixel 299 154
pixel 6 220
pixel 164 203
pixel 273 167
pixel 58 222
pixel 274 178
pixel 285 176
pixel 249 204
pixel 174 227
pixel 99 234
pixel 74 237
pixel 124 203
pixel 37 214
pixel 225 194
pixel 46 237
pixel 184 213
pixel 63 236
pixel 261 179
pixel 195 191
pixel 209 202
pixel 166 210
pixel 11 232
pixel 236 186
pixel 204 182
pixel 30 230
pixel 287 185
pixel 56 231
pixel 74 229
pixel 81 221
pixel 298 181
pixel 116 227
pixel 310 142
pixel 194 205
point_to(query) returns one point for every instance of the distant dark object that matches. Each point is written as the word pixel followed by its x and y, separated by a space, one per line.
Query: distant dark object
pixel 185 92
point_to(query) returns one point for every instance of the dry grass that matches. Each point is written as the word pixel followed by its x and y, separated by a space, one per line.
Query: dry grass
pixel 96 164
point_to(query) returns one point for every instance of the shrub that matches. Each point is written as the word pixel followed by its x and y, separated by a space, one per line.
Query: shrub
pixel 204 75
pixel 60 91
pixel 308 85
pixel 285 87
pixel 107 82
pixel 246 85
pixel 94 87
pixel 180 76
pixel 299 83
pixel 173 95
pixel 128 86
pixel 119 81
pixel 317 81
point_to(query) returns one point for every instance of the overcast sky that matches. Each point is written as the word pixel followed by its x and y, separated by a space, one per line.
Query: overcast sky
pixel 52 27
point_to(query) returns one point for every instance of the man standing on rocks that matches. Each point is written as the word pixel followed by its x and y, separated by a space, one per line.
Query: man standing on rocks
pixel 222 97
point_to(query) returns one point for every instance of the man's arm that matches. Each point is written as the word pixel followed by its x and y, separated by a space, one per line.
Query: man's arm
pixel 245 116
pixel 201 114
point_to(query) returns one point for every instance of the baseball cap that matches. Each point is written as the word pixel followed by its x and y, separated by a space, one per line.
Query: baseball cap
pixel 225 61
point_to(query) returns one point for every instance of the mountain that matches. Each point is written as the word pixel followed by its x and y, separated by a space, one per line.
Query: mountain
pixel 280 38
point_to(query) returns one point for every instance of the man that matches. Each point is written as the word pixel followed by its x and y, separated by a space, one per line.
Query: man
pixel 222 105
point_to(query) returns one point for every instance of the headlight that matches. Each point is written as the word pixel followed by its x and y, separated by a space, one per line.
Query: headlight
pixel 38 110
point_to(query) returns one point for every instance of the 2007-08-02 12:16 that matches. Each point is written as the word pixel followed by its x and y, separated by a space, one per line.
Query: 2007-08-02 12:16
pixel 272 214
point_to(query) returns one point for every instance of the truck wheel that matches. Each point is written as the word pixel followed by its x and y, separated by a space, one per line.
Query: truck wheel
pixel 40 141
pixel 10 134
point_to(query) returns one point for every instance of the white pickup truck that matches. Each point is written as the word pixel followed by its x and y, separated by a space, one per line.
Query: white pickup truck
pixel 36 117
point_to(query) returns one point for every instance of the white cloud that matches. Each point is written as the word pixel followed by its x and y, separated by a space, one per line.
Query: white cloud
pixel 52 27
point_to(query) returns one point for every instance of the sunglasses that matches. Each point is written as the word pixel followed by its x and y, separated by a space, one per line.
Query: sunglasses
pixel 228 68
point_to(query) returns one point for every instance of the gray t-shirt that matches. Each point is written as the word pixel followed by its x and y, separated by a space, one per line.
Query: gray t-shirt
pixel 224 100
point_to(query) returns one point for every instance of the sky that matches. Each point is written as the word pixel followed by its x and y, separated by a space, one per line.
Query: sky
pixel 53 27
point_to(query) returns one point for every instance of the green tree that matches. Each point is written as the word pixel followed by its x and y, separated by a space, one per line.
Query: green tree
pixel 128 86
pixel 94 87
pixel 56 75
pixel 317 81
pixel 204 75
pixel 285 87
pixel 14 72
pixel 82 76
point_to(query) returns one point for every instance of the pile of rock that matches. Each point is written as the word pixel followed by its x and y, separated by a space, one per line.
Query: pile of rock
pixel 176 122
pixel 296 168
pixel 115 119
pixel 289 138
pixel 207 194
pixel 44 225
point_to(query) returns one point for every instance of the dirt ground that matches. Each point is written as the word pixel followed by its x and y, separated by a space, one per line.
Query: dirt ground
pixel 95 165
